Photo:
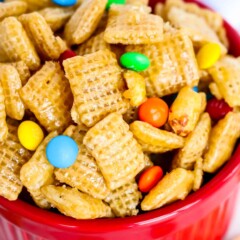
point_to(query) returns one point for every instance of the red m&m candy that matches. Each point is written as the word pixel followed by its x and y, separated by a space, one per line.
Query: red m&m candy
pixel 217 109
pixel 65 55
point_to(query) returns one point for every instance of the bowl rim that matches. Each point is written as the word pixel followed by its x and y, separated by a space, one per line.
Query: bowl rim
pixel 164 214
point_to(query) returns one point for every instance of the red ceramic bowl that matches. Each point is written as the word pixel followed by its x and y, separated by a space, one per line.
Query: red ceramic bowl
pixel 204 215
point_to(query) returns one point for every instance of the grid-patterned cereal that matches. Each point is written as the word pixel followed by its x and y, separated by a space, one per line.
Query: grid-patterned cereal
pixel 56 17
pixel 48 46
pixel 124 200
pixel 11 83
pixel 47 94
pixel 213 19
pixel 73 203
pixel 15 43
pixel 38 172
pixel 3 124
pixel 15 8
pixel 33 5
pixel 173 64
pixel 84 21
pixel 96 82
pixel 22 69
pixel 118 155
pixel 84 174
pixel 226 74
pixel 13 156
pixel 195 27
pixel 93 44
pixel 129 25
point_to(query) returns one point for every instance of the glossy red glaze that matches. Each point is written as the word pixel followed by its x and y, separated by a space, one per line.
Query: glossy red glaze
pixel 65 55
pixel 217 109
pixel 203 215
pixel 149 178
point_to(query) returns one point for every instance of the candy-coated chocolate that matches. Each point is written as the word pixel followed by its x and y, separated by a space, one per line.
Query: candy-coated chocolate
pixel 149 178
pixel 62 151
pixel 208 55
pixel 110 2
pixel 154 111
pixel 65 55
pixel 135 61
pixel 65 3
pixel 30 135
pixel 217 109
pixel 195 89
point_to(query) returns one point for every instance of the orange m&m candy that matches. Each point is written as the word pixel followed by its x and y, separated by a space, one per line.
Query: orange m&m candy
pixel 154 111
pixel 149 178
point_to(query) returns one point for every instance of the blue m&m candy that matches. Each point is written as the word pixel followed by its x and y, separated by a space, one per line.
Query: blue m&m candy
pixel 65 3
pixel 62 151
pixel 195 89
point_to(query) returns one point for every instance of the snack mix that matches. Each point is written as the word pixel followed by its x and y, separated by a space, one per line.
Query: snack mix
pixel 109 110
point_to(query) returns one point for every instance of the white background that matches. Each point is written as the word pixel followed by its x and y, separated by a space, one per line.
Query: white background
pixel 230 10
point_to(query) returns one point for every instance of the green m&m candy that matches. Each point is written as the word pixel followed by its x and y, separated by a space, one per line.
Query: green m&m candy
pixel 135 61
pixel 110 2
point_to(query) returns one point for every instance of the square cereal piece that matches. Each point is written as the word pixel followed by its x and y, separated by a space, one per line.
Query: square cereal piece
pixel 3 115
pixel 173 64
pixel 93 44
pixel 48 95
pixel 118 155
pixel 133 25
pixel 47 45
pixel 38 172
pixel 34 5
pixel 75 204
pixel 23 71
pixel 15 43
pixel 15 8
pixel 22 68
pixel 124 200
pixel 226 75
pixel 195 27
pixel 213 19
pixel 56 17
pixel 84 174
pixel 12 157
pixel 11 83
pixel 84 21
pixel 96 82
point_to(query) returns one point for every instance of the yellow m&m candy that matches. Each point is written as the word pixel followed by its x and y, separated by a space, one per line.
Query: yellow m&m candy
pixel 208 55
pixel 30 135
